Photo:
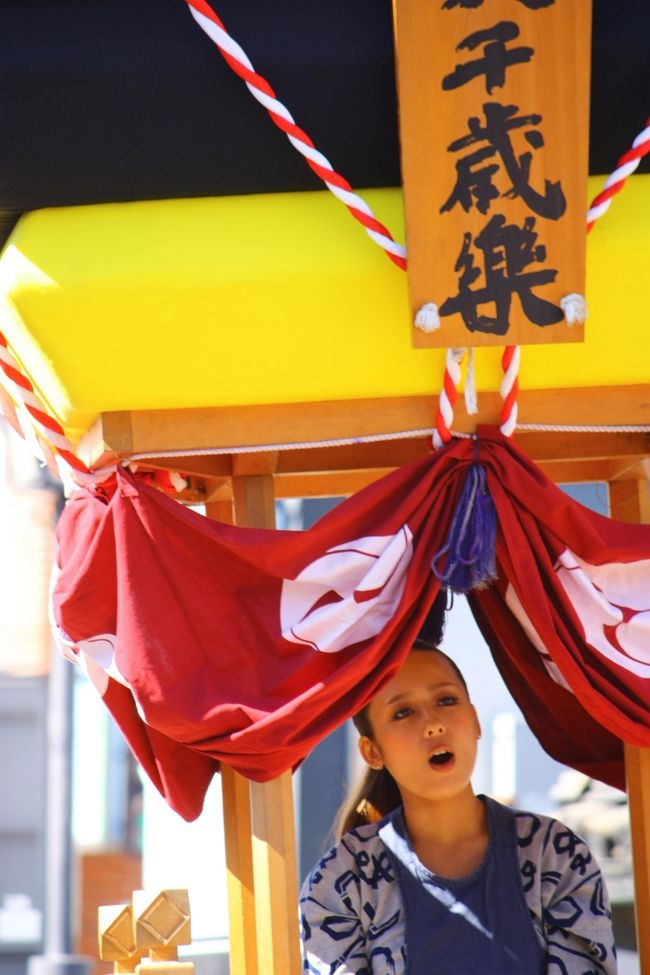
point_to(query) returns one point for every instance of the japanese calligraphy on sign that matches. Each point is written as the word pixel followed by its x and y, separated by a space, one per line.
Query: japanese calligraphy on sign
pixel 494 111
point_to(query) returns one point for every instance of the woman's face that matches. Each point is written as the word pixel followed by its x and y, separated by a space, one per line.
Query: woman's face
pixel 425 729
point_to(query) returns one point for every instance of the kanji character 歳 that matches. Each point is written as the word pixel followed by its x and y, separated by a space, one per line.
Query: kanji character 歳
pixel 474 180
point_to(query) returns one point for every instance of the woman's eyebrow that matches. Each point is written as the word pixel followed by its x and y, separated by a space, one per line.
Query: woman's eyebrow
pixel 429 687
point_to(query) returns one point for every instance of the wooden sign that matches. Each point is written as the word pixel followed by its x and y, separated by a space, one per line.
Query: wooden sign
pixel 494 112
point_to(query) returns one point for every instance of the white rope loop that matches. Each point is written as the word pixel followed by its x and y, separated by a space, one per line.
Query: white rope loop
pixel 471 394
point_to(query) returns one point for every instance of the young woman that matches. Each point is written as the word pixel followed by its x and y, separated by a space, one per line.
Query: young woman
pixel 430 879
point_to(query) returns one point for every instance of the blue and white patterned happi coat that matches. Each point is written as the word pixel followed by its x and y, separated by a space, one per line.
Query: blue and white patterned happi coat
pixel 353 919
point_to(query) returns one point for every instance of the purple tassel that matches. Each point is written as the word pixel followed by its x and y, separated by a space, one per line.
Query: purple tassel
pixel 470 548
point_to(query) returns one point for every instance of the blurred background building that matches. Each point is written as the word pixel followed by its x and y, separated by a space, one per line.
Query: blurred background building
pixel 27 517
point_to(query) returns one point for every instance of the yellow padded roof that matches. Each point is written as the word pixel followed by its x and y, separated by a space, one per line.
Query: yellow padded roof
pixel 270 299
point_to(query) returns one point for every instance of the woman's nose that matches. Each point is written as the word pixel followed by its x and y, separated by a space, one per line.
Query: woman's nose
pixel 434 726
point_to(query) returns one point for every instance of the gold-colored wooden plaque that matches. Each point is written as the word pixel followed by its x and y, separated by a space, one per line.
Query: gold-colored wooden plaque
pixel 494 112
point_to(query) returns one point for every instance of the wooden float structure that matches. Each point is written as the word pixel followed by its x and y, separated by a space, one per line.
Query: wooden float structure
pixel 261 346
pixel 242 486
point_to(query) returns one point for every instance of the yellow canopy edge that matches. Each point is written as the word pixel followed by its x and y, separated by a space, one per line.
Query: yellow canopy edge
pixel 270 299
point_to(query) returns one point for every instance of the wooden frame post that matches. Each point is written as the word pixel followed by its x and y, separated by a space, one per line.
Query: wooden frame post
pixel 237 837
pixel 272 875
pixel 630 501
pixel 240 876
pixel 276 876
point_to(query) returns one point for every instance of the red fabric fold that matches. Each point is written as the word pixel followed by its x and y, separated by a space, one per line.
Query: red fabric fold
pixel 215 643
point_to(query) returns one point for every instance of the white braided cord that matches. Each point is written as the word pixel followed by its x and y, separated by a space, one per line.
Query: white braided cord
pixel 371 438
pixel 577 428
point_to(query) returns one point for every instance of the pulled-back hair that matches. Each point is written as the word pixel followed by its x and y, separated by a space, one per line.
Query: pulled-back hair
pixel 377 794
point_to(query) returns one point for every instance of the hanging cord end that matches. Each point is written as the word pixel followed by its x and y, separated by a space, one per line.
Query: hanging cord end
pixel 574 307
pixel 471 545
pixel 471 395
pixel 427 318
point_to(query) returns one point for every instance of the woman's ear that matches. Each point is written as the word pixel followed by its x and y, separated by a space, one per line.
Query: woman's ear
pixel 477 723
pixel 370 753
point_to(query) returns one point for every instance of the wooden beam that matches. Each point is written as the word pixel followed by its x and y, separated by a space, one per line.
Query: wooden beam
pixel 326 484
pixel 638 470
pixel 206 488
pixel 271 803
pixel 259 462
pixel 539 446
pixel 119 434
pixel 630 501
pixel 588 471
pixel 195 465
pixel 606 456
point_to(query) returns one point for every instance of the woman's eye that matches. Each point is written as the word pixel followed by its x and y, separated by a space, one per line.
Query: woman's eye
pixel 448 700
pixel 402 713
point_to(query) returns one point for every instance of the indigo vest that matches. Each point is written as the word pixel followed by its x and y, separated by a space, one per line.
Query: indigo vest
pixel 477 925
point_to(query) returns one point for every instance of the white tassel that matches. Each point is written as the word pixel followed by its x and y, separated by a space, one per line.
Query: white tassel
pixel 471 396
pixel 574 307
pixel 427 319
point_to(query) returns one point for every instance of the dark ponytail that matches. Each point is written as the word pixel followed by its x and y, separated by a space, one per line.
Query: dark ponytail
pixel 375 796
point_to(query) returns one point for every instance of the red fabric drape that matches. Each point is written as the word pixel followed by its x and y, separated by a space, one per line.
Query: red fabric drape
pixel 216 643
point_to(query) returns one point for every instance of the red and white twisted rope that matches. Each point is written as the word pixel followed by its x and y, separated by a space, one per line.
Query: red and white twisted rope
pixel 614 183
pixel 448 396
pixel 509 389
pixel 47 428
pixel 238 60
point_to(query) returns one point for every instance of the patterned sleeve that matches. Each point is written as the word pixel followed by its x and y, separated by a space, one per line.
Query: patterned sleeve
pixel 332 935
pixel 575 917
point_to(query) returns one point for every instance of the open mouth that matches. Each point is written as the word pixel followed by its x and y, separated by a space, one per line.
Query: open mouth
pixel 442 757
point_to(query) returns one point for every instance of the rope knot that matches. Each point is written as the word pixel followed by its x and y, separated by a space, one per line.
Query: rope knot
pixel 427 318
pixel 574 307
